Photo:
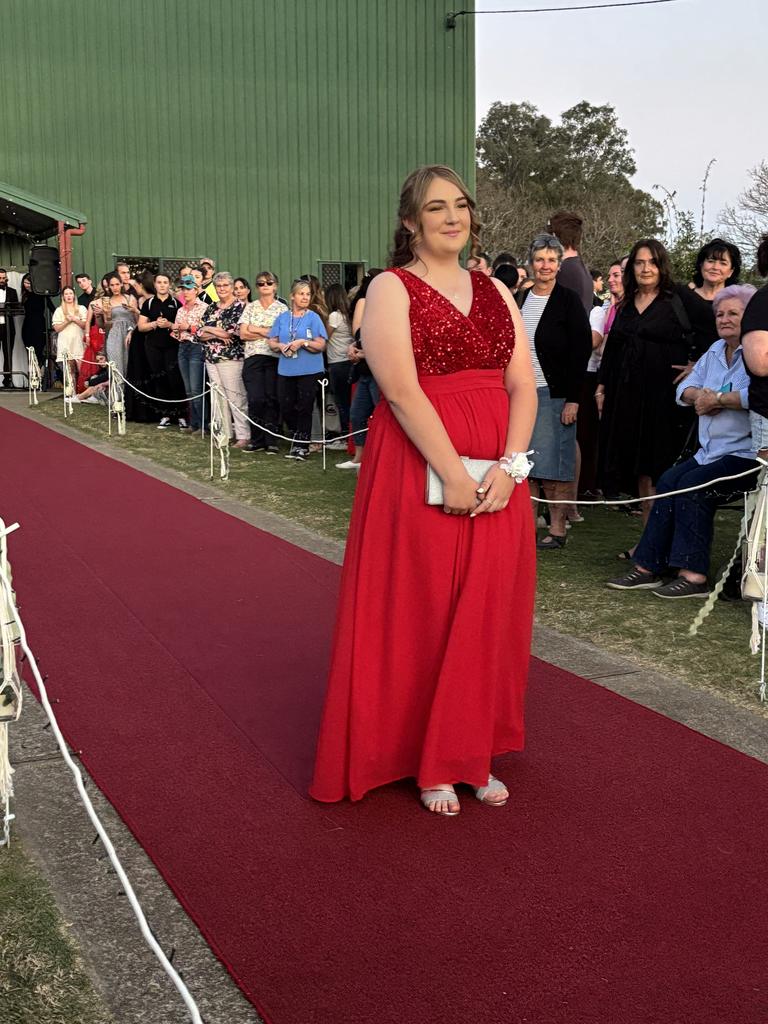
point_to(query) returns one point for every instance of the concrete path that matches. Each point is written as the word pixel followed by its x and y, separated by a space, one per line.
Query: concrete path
pixel 53 826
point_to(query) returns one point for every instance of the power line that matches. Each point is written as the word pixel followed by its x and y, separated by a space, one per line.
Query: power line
pixel 450 19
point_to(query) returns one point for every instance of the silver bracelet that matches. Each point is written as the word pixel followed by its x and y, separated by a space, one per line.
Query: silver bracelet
pixel 517 465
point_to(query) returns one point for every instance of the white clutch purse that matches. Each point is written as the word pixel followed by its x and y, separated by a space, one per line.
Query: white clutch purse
pixel 477 468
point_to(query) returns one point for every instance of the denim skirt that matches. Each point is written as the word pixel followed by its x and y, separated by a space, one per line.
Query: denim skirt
pixel 553 444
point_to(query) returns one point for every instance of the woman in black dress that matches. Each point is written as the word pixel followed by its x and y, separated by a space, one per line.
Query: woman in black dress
pixel 138 408
pixel 718 264
pixel 642 430
pixel 34 330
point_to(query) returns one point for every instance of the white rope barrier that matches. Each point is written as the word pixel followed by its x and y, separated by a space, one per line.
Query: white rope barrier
pixel 240 413
pixel 220 438
pixel 542 501
pixel 653 497
pixel 191 398
pixel 34 376
pixel 146 931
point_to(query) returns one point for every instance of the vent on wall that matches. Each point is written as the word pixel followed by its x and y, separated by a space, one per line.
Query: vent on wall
pixel 346 273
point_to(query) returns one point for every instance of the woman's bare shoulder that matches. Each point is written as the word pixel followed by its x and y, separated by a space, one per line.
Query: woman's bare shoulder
pixel 387 287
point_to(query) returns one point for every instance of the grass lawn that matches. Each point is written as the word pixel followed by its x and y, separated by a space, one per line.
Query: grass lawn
pixel 572 597
pixel 42 980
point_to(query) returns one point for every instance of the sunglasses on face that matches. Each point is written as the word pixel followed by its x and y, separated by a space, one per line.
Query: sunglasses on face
pixel 262 284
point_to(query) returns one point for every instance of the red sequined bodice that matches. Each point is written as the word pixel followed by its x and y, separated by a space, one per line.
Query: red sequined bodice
pixel 446 341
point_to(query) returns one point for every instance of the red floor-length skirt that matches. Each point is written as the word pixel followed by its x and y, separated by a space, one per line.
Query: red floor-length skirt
pixel 88 366
pixel 431 648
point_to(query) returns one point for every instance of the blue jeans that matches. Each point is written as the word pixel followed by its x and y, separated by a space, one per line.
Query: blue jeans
pixel 192 368
pixel 679 530
pixel 365 400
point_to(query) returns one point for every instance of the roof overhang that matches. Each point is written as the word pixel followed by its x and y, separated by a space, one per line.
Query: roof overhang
pixel 32 217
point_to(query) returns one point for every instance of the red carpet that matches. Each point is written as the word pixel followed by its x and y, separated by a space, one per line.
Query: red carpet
pixel 623 884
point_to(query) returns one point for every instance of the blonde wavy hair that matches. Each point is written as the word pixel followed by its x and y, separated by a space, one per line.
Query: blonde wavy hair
pixel 412 197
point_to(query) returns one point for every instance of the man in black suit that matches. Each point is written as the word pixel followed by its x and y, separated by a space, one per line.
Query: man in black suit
pixel 7 327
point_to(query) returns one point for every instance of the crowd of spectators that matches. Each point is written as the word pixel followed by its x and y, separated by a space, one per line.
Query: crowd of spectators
pixel 643 388
pixel 641 380
pixel 265 353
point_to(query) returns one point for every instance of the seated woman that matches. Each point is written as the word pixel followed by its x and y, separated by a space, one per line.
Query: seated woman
pixel 679 529
pixel 96 386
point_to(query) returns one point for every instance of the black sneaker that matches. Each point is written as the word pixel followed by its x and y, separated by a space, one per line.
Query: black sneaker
pixel 272 449
pixel 636 580
pixel 251 447
pixel 681 587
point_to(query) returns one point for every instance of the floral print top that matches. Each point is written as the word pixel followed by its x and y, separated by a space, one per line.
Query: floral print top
pixel 187 322
pixel 227 318
pixel 257 316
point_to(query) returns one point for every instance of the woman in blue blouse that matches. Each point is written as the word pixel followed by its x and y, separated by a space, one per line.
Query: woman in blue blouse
pixel 298 335
pixel 678 535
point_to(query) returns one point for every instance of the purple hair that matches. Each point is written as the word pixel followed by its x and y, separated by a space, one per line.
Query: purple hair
pixel 737 292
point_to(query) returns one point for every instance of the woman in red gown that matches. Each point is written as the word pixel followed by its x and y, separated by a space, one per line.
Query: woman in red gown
pixel 95 339
pixel 431 648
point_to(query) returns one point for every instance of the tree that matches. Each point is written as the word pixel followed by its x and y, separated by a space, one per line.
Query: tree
pixel 528 167
pixel 747 221
pixel 683 247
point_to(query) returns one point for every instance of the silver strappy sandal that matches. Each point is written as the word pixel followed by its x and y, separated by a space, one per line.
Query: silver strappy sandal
pixel 430 797
pixel 494 786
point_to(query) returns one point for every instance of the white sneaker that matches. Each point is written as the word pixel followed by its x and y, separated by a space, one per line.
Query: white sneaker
pixel 183 425
pixel 336 446
pixel 348 465
pixel 164 423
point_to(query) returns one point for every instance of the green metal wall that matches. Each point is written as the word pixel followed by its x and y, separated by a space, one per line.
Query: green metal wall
pixel 259 133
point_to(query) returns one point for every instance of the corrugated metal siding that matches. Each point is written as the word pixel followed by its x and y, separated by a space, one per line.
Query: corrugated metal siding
pixel 262 134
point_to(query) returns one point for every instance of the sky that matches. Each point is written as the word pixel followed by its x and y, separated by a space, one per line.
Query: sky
pixel 687 80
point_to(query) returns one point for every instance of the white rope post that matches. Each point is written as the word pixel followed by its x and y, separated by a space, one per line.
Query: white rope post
pixel 210 432
pixel 109 398
pixel 323 386
pixel 67 381
pixel 118 401
pixel 10 685
pixel 34 376
pixel 220 429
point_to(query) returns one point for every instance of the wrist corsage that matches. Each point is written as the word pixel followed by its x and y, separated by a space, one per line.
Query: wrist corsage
pixel 517 465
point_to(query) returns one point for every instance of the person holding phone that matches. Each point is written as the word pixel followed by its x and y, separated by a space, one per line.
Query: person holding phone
pixel 678 534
